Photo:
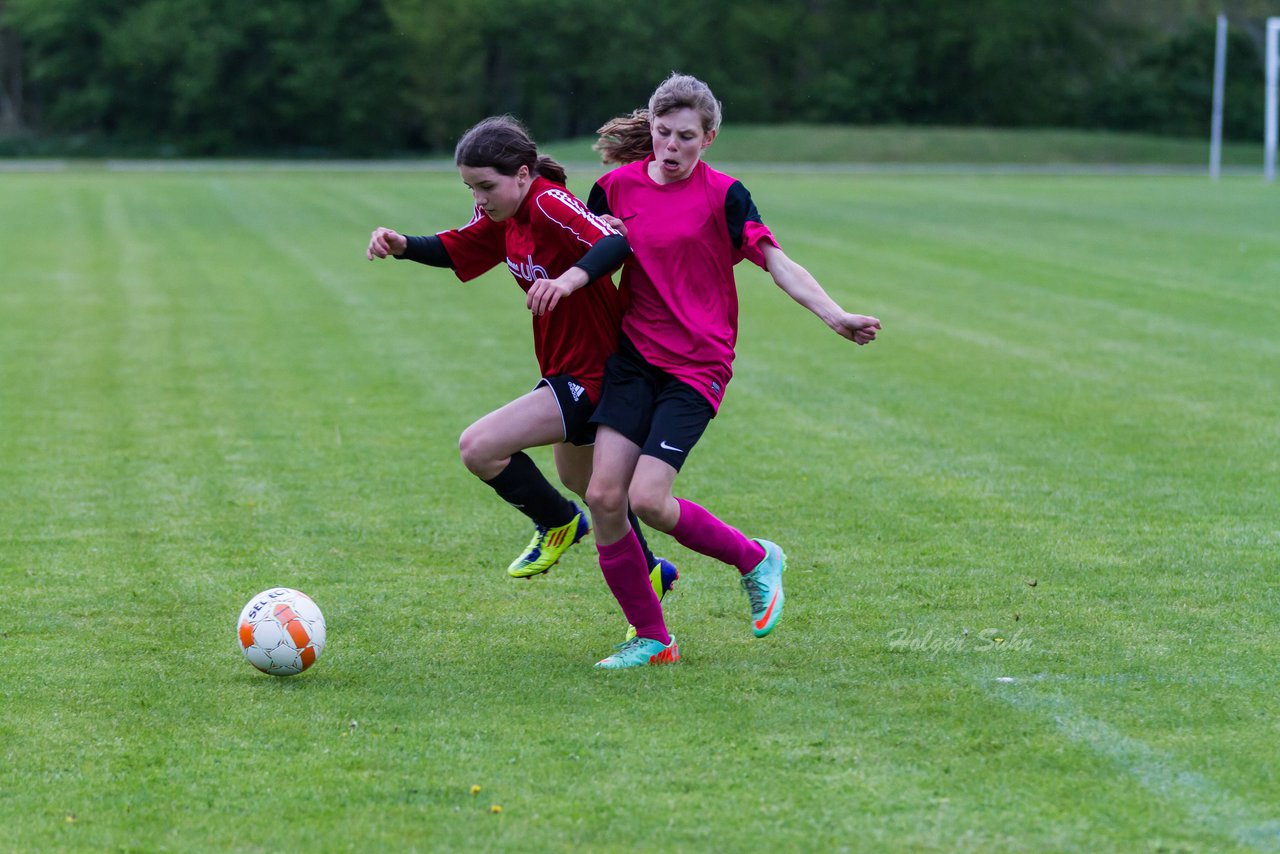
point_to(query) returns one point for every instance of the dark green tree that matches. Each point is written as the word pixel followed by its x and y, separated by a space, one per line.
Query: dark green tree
pixel 1168 87
pixel 378 77
pixel 215 79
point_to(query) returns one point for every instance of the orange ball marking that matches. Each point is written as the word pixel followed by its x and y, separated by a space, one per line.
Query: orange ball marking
pixel 288 618
pixel 298 632
pixel 246 635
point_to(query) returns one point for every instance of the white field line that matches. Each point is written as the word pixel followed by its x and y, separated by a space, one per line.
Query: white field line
pixel 1220 812
pixel 34 164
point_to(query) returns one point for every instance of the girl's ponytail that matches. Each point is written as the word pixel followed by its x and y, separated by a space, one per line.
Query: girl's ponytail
pixel 625 139
pixel 550 169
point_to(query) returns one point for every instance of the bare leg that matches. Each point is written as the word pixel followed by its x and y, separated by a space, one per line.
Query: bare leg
pixel 651 494
pixel 530 421
pixel 622 560
pixel 573 464
pixel 612 466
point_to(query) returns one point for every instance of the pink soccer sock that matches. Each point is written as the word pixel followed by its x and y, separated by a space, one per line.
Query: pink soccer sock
pixel 627 576
pixel 698 530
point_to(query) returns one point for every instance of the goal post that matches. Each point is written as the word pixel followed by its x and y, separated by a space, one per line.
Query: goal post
pixel 1219 87
pixel 1273 81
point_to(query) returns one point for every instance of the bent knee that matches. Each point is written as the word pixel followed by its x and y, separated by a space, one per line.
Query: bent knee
pixel 656 508
pixel 476 453
pixel 606 500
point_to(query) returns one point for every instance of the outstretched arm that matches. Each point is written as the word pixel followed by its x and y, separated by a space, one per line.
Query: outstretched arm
pixel 802 287
pixel 384 242
pixel 425 249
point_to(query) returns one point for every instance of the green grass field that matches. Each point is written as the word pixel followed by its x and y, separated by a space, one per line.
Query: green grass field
pixel 798 143
pixel 1033 535
pixel 949 145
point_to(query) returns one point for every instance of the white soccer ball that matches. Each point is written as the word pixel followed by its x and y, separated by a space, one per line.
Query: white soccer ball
pixel 281 631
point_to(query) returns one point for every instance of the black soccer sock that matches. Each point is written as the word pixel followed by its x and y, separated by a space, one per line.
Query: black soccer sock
pixel 649 559
pixel 525 488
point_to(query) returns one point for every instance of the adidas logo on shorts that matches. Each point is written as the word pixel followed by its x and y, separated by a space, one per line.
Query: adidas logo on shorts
pixel 576 390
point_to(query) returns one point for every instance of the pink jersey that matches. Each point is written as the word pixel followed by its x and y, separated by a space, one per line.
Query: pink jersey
pixel 685 239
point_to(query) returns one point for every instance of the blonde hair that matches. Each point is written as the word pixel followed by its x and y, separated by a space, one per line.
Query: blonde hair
pixel 626 139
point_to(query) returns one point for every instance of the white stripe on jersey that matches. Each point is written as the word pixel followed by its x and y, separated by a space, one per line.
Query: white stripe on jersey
pixel 567 199
pixel 476 217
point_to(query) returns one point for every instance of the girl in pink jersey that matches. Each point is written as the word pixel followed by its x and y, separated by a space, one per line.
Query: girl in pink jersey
pixel 526 218
pixel 688 225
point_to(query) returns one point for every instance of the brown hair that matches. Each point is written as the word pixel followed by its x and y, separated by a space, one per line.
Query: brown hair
pixel 503 144
pixel 626 139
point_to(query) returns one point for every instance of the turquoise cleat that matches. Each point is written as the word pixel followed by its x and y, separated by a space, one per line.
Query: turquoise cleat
pixel 764 588
pixel 640 652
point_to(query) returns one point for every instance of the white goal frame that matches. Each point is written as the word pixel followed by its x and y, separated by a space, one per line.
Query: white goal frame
pixel 1273 83
pixel 1219 93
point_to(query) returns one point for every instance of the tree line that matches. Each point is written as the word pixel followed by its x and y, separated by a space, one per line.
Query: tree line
pixel 368 77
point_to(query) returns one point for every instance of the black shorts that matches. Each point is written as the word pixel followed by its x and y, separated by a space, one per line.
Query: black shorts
pixel 663 415
pixel 575 408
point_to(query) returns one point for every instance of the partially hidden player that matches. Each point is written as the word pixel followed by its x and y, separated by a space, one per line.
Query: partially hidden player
pixel 525 218
pixel 688 225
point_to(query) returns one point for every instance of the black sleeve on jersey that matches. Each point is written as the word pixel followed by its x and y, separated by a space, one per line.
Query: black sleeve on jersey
pixel 738 211
pixel 605 257
pixel 426 249
pixel 598 202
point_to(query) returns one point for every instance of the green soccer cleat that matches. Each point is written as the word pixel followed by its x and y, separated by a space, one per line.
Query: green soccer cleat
pixel 764 588
pixel 663 577
pixel 639 652
pixel 548 545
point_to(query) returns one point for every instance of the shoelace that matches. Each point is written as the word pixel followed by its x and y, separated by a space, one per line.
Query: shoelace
pixel 754 593
pixel 625 645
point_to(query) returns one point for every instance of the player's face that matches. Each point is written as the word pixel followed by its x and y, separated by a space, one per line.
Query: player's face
pixel 500 195
pixel 678 143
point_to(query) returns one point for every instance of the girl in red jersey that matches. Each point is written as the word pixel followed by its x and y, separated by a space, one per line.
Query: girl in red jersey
pixel 526 218
pixel 688 225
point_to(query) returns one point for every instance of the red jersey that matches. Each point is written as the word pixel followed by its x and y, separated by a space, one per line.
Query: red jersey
pixel 548 234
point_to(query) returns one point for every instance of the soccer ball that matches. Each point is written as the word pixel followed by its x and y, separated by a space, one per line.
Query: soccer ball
pixel 281 631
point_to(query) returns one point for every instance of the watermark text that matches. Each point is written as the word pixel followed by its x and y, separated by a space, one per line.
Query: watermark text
pixel 984 641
